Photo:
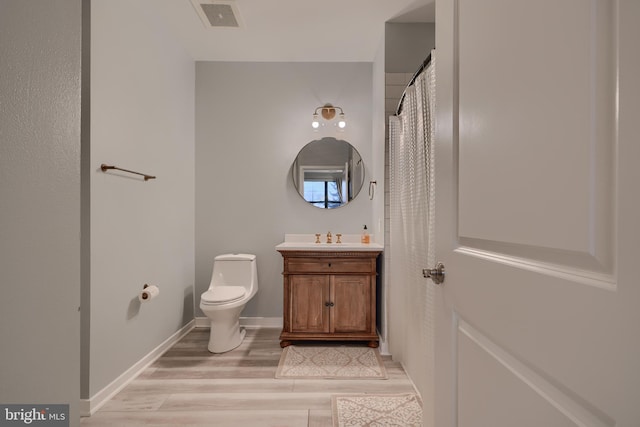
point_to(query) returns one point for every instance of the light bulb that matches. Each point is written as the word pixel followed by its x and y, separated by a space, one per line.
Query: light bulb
pixel 315 123
pixel 342 123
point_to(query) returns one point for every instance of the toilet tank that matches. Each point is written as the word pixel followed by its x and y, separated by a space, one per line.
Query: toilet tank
pixel 235 270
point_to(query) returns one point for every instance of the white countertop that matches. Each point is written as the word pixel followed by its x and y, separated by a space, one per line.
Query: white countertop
pixel 305 242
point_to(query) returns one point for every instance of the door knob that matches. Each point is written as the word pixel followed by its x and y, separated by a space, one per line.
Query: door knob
pixel 435 274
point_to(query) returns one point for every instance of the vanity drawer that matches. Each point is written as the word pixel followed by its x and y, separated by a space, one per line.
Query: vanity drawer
pixel 330 265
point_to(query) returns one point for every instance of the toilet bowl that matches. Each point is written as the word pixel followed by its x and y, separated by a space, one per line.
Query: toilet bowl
pixel 234 282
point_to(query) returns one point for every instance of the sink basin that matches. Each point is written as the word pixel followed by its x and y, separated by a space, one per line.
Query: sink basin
pixel 305 242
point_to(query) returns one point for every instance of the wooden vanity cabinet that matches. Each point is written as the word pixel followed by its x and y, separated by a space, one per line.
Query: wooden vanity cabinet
pixel 329 296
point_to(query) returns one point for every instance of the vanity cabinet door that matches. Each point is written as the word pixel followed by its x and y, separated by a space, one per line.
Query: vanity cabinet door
pixel 309 297
pixel 351 311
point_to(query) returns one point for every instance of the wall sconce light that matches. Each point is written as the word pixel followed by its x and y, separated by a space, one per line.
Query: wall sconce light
pixel 328 112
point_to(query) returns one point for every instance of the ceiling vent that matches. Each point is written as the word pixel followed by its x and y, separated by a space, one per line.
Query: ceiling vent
pixel 217 13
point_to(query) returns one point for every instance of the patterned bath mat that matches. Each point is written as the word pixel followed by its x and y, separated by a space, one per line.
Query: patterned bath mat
pixel 336 362
pixel 401 410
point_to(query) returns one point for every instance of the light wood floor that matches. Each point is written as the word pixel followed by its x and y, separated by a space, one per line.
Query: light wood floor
pixel 188 386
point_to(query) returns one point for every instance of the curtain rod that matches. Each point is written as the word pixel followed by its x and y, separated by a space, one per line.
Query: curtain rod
pixel 424 65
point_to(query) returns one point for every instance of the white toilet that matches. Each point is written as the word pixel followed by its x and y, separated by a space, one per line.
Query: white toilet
pixel 234 282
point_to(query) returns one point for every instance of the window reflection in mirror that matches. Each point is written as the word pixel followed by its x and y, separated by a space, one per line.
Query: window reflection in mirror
pixel 328 173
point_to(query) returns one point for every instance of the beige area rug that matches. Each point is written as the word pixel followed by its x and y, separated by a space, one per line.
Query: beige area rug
pixel 401 410
pixel 330 362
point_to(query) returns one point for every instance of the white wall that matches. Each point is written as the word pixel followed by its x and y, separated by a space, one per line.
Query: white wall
pixel 379 160
pixel 142 118
pixel 251 121
pixel 40 47
pixel 407 45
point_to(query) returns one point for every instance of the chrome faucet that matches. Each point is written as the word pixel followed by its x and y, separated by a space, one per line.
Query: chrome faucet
pixel 329 237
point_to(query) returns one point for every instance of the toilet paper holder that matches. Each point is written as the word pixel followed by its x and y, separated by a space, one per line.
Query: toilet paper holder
pixel 144 296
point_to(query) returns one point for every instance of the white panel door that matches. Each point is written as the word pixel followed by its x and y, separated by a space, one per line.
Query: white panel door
pixel 537 213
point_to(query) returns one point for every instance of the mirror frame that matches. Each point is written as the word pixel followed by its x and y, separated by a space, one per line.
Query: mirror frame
pixel 332 158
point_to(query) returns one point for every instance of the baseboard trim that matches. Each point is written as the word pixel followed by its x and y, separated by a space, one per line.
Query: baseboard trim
pixel 89 406
pixel 384 347
pixel 247 322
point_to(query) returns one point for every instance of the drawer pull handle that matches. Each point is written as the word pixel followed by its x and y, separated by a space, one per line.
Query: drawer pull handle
pixel 329 264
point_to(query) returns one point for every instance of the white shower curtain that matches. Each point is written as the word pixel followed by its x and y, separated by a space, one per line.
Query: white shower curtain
pixel 411 138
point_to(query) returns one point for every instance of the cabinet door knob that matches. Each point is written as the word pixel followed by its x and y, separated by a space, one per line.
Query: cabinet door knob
pixel 328 304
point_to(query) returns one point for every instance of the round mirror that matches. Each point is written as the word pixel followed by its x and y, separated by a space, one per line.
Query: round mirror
pixel 328 173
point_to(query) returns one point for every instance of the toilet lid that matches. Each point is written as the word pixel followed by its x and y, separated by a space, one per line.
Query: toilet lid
pixel 221 294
